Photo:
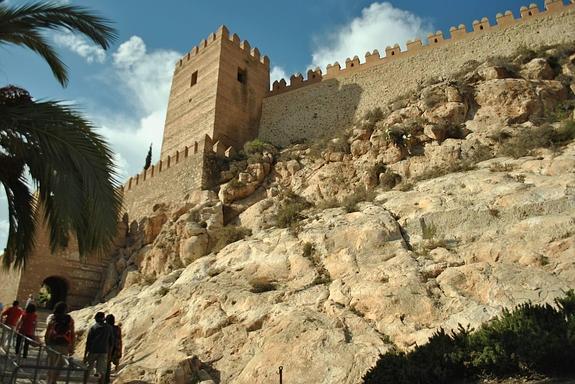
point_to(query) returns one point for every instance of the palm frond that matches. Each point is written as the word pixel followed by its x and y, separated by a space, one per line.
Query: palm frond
pixel 36 42
pixel 72 168
pixel 23 25
pixel 21 213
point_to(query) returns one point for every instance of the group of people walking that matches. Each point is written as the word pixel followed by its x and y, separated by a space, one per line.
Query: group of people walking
pixel 23 321
pixel 103 343
pixel 103 346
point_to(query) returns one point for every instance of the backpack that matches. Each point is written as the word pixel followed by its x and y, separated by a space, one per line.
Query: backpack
pixel 60 332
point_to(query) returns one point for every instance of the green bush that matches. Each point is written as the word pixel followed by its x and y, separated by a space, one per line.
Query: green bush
pixel 566 132
pixel 336 143
pixel 434 172
pixel 289 212
pixel 374 115
pixel 562 111
pixel 532 339
pixel 507 63
pixel 257 146
pixel 371 117
pixel 235 183
pixel 44 295
pixel 428 231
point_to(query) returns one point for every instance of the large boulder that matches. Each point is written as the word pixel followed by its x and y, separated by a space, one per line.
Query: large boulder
pixel 537 69
pixel 193 248
pixel 152 225
pixel 517 100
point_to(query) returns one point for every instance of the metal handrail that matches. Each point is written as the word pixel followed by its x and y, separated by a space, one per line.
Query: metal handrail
pixel 18 367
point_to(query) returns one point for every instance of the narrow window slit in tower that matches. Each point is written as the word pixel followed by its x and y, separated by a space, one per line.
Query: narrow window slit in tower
pixel 242 75
pixel 194 79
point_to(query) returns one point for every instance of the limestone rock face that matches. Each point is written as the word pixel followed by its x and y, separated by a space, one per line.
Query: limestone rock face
pixel 515 100
pixel 488 72
pixel 152 226
pixel 454 112
pixel 247 182
pixel 454 250
pixel 419 223
pixel 193 248
pixel 537 69
pixel 360 147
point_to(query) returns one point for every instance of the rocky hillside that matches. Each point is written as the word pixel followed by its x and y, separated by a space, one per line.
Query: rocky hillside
pixel 440 209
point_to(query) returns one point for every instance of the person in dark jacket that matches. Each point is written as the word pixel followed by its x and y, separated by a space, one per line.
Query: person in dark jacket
pixel 98 345
pixel 116 351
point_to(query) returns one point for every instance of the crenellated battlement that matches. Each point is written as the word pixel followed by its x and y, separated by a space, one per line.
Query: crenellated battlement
pixel 198 149
pixel 223 35
pixel 456 33
pixel 297 81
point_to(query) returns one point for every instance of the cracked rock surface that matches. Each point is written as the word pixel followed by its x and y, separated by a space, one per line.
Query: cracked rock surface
pixel 373 278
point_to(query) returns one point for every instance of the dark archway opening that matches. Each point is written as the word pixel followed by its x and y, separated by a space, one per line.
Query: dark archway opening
pixel 57 289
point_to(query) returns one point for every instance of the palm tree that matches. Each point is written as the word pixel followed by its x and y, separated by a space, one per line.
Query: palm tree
pixel 50 144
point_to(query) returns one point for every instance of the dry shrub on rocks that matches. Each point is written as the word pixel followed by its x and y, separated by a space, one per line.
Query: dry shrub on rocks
pixel 227 235
pixel 545 136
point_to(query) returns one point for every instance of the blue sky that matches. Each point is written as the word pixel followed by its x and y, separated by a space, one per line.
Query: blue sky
pixel 124 90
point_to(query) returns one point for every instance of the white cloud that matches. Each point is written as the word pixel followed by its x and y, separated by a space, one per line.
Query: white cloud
pixel 380 25
pixel 145 76
pixel 81 46
pixel 277 73
pixel 130 138
pixel 145 79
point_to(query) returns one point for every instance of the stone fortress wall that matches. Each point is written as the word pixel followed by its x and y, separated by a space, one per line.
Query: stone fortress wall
pixel 172 178
pixel 323 104
pixel 220 92
pixel 214 106
pixel 208 97
pixel 78 279
pixel 191 106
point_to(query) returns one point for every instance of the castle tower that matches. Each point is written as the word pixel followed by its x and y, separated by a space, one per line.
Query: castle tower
pixel 217 89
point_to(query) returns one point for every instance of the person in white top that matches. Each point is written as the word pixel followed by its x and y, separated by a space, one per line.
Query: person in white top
pixel 29 301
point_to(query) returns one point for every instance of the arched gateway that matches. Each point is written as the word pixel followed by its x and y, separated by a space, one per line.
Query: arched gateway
pixel 64 274
pixel 57 287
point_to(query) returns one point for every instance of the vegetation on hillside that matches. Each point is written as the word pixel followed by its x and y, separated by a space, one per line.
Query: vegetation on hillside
pixel 532 339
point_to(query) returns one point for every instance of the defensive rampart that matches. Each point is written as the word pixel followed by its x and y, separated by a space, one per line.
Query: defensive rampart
pixel 322 104
pixel 172 178
pixel 208 97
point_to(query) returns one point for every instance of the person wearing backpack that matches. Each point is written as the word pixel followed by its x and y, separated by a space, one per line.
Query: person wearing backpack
pixel 98 345
pixel 59 338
